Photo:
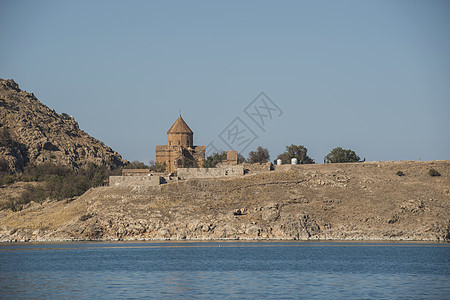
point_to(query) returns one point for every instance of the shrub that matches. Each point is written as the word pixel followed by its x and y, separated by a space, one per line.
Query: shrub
pixel 158 167
pixel 5 138
pixel 400 173
pixel 8 179
pixel 86 217
pixel 32 193
pixel 13 204
pixel 433 172
pixel 4 166
pixel 58 182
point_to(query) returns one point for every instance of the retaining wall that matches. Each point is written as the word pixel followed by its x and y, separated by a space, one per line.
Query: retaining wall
pixel 224 171
pixel 135 180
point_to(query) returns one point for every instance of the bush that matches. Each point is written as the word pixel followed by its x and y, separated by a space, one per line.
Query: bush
pixel 8 179
pixel 86 217
pixel 13 204
pixel 339 155
pixel 158 167
pixel 5 138
pixel 433 172
pixel 4 166
pixel 32 193
pixel 261 155
pixel 400 173
pixel 298 152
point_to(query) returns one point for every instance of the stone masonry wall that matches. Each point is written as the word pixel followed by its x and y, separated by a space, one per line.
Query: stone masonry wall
pixel 134 180
pixel 224 171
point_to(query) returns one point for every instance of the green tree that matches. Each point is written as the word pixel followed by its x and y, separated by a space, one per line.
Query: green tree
pixel 214 159
pixel 261 155
pixel 298 152
pixel 339 155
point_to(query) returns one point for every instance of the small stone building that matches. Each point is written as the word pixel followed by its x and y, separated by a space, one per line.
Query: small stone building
pixel 180 151
pixel 232 158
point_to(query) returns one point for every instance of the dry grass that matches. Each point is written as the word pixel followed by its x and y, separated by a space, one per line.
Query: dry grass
pixel 356 200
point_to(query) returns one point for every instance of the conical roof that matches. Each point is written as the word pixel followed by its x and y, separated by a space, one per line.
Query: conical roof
pixel 179 126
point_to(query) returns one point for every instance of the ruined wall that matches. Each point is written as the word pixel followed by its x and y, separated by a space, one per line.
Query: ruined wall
pixel 224 171
pixel 135 172
pixel 134 180
pixel 257 168
pixel 284 167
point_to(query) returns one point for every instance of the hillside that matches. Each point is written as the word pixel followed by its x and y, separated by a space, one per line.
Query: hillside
pixel 357 201
pixel 32 133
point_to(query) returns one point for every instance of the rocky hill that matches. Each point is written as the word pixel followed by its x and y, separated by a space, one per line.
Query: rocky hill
pixel 32 133
pixel 357 201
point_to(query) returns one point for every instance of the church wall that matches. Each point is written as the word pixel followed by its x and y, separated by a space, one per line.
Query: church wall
pixel 179 150
pixel 180 139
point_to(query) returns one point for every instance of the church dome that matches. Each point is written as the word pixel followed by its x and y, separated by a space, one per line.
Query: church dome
pixel 179 126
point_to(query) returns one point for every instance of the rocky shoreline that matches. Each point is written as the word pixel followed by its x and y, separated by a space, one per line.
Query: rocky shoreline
pixel 342 202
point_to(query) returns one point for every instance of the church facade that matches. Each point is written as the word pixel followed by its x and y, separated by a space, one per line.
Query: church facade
pixel 180 151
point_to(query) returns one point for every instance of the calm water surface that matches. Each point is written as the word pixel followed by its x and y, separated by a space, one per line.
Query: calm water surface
pixel 252 270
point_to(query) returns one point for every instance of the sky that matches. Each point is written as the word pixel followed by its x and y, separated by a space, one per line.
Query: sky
pixel 370 76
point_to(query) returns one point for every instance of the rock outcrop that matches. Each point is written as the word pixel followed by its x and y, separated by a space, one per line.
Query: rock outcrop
pixel 357 201
pixel 30 132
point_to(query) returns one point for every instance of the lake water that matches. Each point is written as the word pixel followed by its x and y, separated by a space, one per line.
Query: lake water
pixel 251 270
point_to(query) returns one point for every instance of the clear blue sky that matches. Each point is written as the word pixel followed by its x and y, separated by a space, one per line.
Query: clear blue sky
pixel 372 76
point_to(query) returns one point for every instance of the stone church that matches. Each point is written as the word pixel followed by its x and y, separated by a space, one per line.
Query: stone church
pixel 180 151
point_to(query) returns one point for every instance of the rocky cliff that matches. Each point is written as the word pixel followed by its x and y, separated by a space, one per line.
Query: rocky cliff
pixel 358 201
pixel 30 132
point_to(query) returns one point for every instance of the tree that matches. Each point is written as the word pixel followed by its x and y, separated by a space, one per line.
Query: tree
pixel 136 165
pixel 339 155
pixel 157 167
pixel 298 152
pixel 214 159
pixel 241 159
pixel 261 155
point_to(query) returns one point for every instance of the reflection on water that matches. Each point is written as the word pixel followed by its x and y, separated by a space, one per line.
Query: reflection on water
pixel 243 270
